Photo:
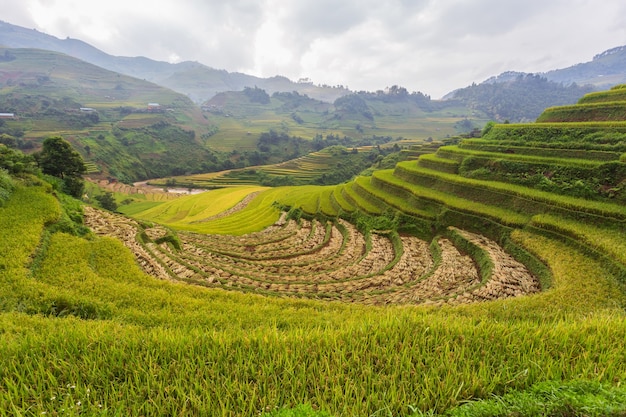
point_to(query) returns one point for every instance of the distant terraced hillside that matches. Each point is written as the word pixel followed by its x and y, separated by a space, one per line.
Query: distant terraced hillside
pixel 330 165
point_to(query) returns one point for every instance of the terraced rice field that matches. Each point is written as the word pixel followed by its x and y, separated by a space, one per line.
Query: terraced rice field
pixel 302 170
pixel 322 260
pixel 238 238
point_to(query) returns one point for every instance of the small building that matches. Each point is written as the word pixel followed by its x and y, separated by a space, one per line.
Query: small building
pixel 154 107
pixel 87 110
pixel 7 115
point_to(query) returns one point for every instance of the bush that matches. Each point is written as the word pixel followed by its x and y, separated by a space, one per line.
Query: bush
pixel 575 398
pixel 107 201
pixel 6 186
pixel 170 239
pixel 304 410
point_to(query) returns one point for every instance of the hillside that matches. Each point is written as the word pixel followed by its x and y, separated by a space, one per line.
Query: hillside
pixel 606 69
pixel 490 269
pixel 331 165
pixel 603 71
pixel 517 96
pixel 352 120
pixel 104 114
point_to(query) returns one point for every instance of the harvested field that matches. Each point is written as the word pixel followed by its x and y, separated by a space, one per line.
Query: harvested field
pixel 328 260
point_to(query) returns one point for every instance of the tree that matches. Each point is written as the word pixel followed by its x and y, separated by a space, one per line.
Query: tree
pixel 60 160
pixel 107 201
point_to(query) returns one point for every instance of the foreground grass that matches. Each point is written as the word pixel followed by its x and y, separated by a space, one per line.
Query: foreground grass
pixel 84 332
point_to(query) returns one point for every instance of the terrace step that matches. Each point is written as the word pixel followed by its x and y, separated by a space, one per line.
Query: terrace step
pixel 458 154
pixel 340 200
pixel 510 196
pixel 618 93
pixel 585 112
pixel 358 201
pixel 484 145
pixel 603 136
pixel 439 162
pixel 435 200
pixel 397 199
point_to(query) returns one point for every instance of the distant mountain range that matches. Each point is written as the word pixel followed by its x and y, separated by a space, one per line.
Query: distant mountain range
pixel 201 82
pixel 604 71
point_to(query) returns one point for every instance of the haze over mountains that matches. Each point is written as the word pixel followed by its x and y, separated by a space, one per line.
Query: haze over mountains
pixel 196 80
pixel 201 82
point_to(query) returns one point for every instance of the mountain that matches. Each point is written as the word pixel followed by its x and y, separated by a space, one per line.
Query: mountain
pixel 605 70
pixel 521 96
pixel 516 96
pixel 197 81
pixel 201 83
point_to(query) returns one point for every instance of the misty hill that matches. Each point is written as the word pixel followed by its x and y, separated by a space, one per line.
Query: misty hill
pixel 605 70
pixel 132 129
pixel 201 83
pixel 518 96
pixel 197 81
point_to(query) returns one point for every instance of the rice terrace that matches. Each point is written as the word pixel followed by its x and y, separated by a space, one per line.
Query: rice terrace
pixel 481 275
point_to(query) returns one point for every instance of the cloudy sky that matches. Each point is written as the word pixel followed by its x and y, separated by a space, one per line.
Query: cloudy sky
pixel 432 46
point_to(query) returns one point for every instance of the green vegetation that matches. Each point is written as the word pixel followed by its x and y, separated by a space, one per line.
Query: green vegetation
pixel 105 116
pixel 551 399
pixel 111 333
pixel 6 186
pixel 422 256
pixel 603 111
pixel 200 207
pixel 59 160
pixel 357 119
pixel 616 93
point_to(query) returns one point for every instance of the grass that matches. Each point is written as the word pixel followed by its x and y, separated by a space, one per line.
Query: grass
pixel 114 341
pixel 608 240
pixel 455 152
pixel 555 152
pixel 360 201
pixel 340 199
pixel 307 169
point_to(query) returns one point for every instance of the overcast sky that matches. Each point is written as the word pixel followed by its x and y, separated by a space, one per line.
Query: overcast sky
pixel 432 46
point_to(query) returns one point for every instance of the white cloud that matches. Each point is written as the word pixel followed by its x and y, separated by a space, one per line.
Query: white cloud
pixel 433 46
